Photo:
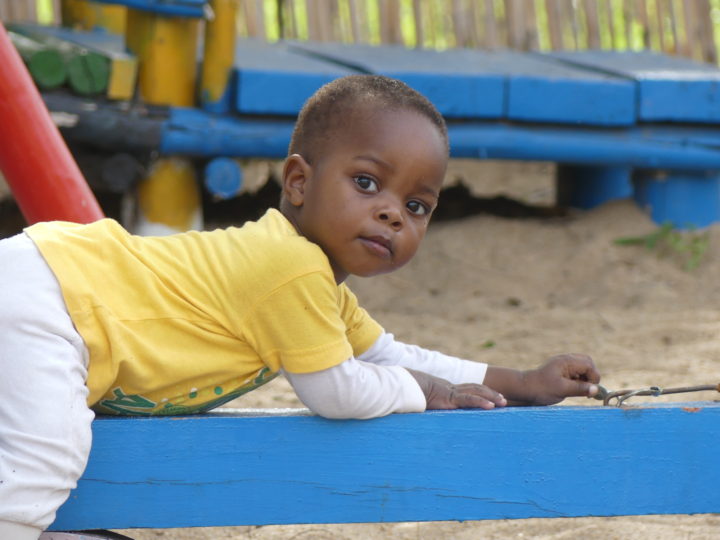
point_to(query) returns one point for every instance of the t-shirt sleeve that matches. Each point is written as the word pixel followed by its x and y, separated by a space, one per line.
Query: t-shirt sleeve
pixel 298 326
pixel 361 329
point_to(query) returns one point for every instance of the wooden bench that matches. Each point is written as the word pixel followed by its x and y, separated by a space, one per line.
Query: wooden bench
pixel 633 124
pixel 250 467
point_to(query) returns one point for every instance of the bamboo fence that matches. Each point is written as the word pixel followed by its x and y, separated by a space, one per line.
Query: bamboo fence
pixel 689 28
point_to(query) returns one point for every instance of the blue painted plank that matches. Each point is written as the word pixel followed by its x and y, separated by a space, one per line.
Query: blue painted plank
pixel 192 132
pixel 240 469
pixel 195 133
pixel 499 84
pixel 172 8
pixel 272 79
pixel 543 90
pixel 669 88
pixel 454 85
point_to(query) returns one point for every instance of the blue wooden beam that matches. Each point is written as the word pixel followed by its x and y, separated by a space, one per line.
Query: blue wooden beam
pixel 173 8
pixel 196 133
pixel 256 467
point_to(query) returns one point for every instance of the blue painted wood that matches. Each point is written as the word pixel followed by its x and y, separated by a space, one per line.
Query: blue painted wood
pixel 500 84
pixel 273 79
pixel 588 187
pixel 250 468
pixel 455 85
pixel 669 88
pixel 173 8
pixel 223 177
pixel 196 133
pixel 688 199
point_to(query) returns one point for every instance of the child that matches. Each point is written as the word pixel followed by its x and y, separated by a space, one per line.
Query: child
pixel 93 317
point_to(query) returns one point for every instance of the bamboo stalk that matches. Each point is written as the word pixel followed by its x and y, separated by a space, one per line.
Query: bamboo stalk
pixel 515 24
pixel 641 10
pixel 592 23
pixel 530 33
pixel 418 24
pixel 628 17
pixel 689 28
pixel 354 21
pixel 610 17
pixel 390 21
pixel 554 21
pixel 707 31
pixel 660 17
pixel 672 16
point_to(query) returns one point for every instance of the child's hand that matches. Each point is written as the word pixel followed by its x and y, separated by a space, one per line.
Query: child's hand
pixel 441 394
pixel 562 376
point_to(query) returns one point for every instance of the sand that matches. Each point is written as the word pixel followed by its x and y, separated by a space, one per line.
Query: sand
pixel 513 292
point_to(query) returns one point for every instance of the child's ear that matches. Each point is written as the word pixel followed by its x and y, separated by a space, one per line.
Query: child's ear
pixel 296 172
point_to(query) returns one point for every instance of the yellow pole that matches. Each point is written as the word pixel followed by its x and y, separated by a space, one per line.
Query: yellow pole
pixel 219 55
pixel 87 15
pixel 166 48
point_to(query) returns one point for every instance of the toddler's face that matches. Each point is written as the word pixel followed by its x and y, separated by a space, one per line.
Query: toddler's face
pixel 368 198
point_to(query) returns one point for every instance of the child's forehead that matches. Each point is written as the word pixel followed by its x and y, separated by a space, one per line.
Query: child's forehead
pixel 373 121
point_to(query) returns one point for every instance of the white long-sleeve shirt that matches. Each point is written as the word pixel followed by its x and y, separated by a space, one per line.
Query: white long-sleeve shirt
pixel 376 383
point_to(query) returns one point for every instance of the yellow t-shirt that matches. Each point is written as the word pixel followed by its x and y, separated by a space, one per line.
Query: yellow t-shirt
pixel 183 323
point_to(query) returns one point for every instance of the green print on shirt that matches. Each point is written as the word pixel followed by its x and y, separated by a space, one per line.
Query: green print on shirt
pixel 136 405
pixel 128 404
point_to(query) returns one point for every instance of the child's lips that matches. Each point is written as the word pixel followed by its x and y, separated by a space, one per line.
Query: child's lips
pixel 379 245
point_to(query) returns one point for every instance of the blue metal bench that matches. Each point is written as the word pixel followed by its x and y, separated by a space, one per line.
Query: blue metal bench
pixel 255 467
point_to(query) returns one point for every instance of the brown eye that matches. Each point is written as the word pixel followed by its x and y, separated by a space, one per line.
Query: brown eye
pixel 367 184
pixel 418 208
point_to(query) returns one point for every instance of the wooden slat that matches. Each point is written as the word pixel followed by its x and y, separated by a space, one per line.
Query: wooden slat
pixel 272 79
pixel 669 88
pixel 250 468
pixel 457 81
pixel 475 84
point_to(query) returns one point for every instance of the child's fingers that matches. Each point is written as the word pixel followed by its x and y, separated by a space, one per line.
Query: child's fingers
pixel 467 396
pixel 581 388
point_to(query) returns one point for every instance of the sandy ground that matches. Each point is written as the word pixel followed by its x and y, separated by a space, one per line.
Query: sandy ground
pixel 513 292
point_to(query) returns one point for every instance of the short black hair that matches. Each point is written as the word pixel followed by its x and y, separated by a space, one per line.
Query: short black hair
pixel 328 109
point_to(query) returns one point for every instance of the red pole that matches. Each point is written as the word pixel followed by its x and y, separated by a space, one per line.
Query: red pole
pixel 40 170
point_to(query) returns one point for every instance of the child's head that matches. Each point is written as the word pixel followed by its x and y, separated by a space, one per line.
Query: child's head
pixel 328 112
pixel 367 161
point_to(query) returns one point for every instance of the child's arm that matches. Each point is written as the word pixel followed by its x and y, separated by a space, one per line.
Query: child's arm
pixel 438 374
pixel 561 376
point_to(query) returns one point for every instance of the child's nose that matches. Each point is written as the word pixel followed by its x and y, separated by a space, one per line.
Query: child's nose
pixel 391 216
